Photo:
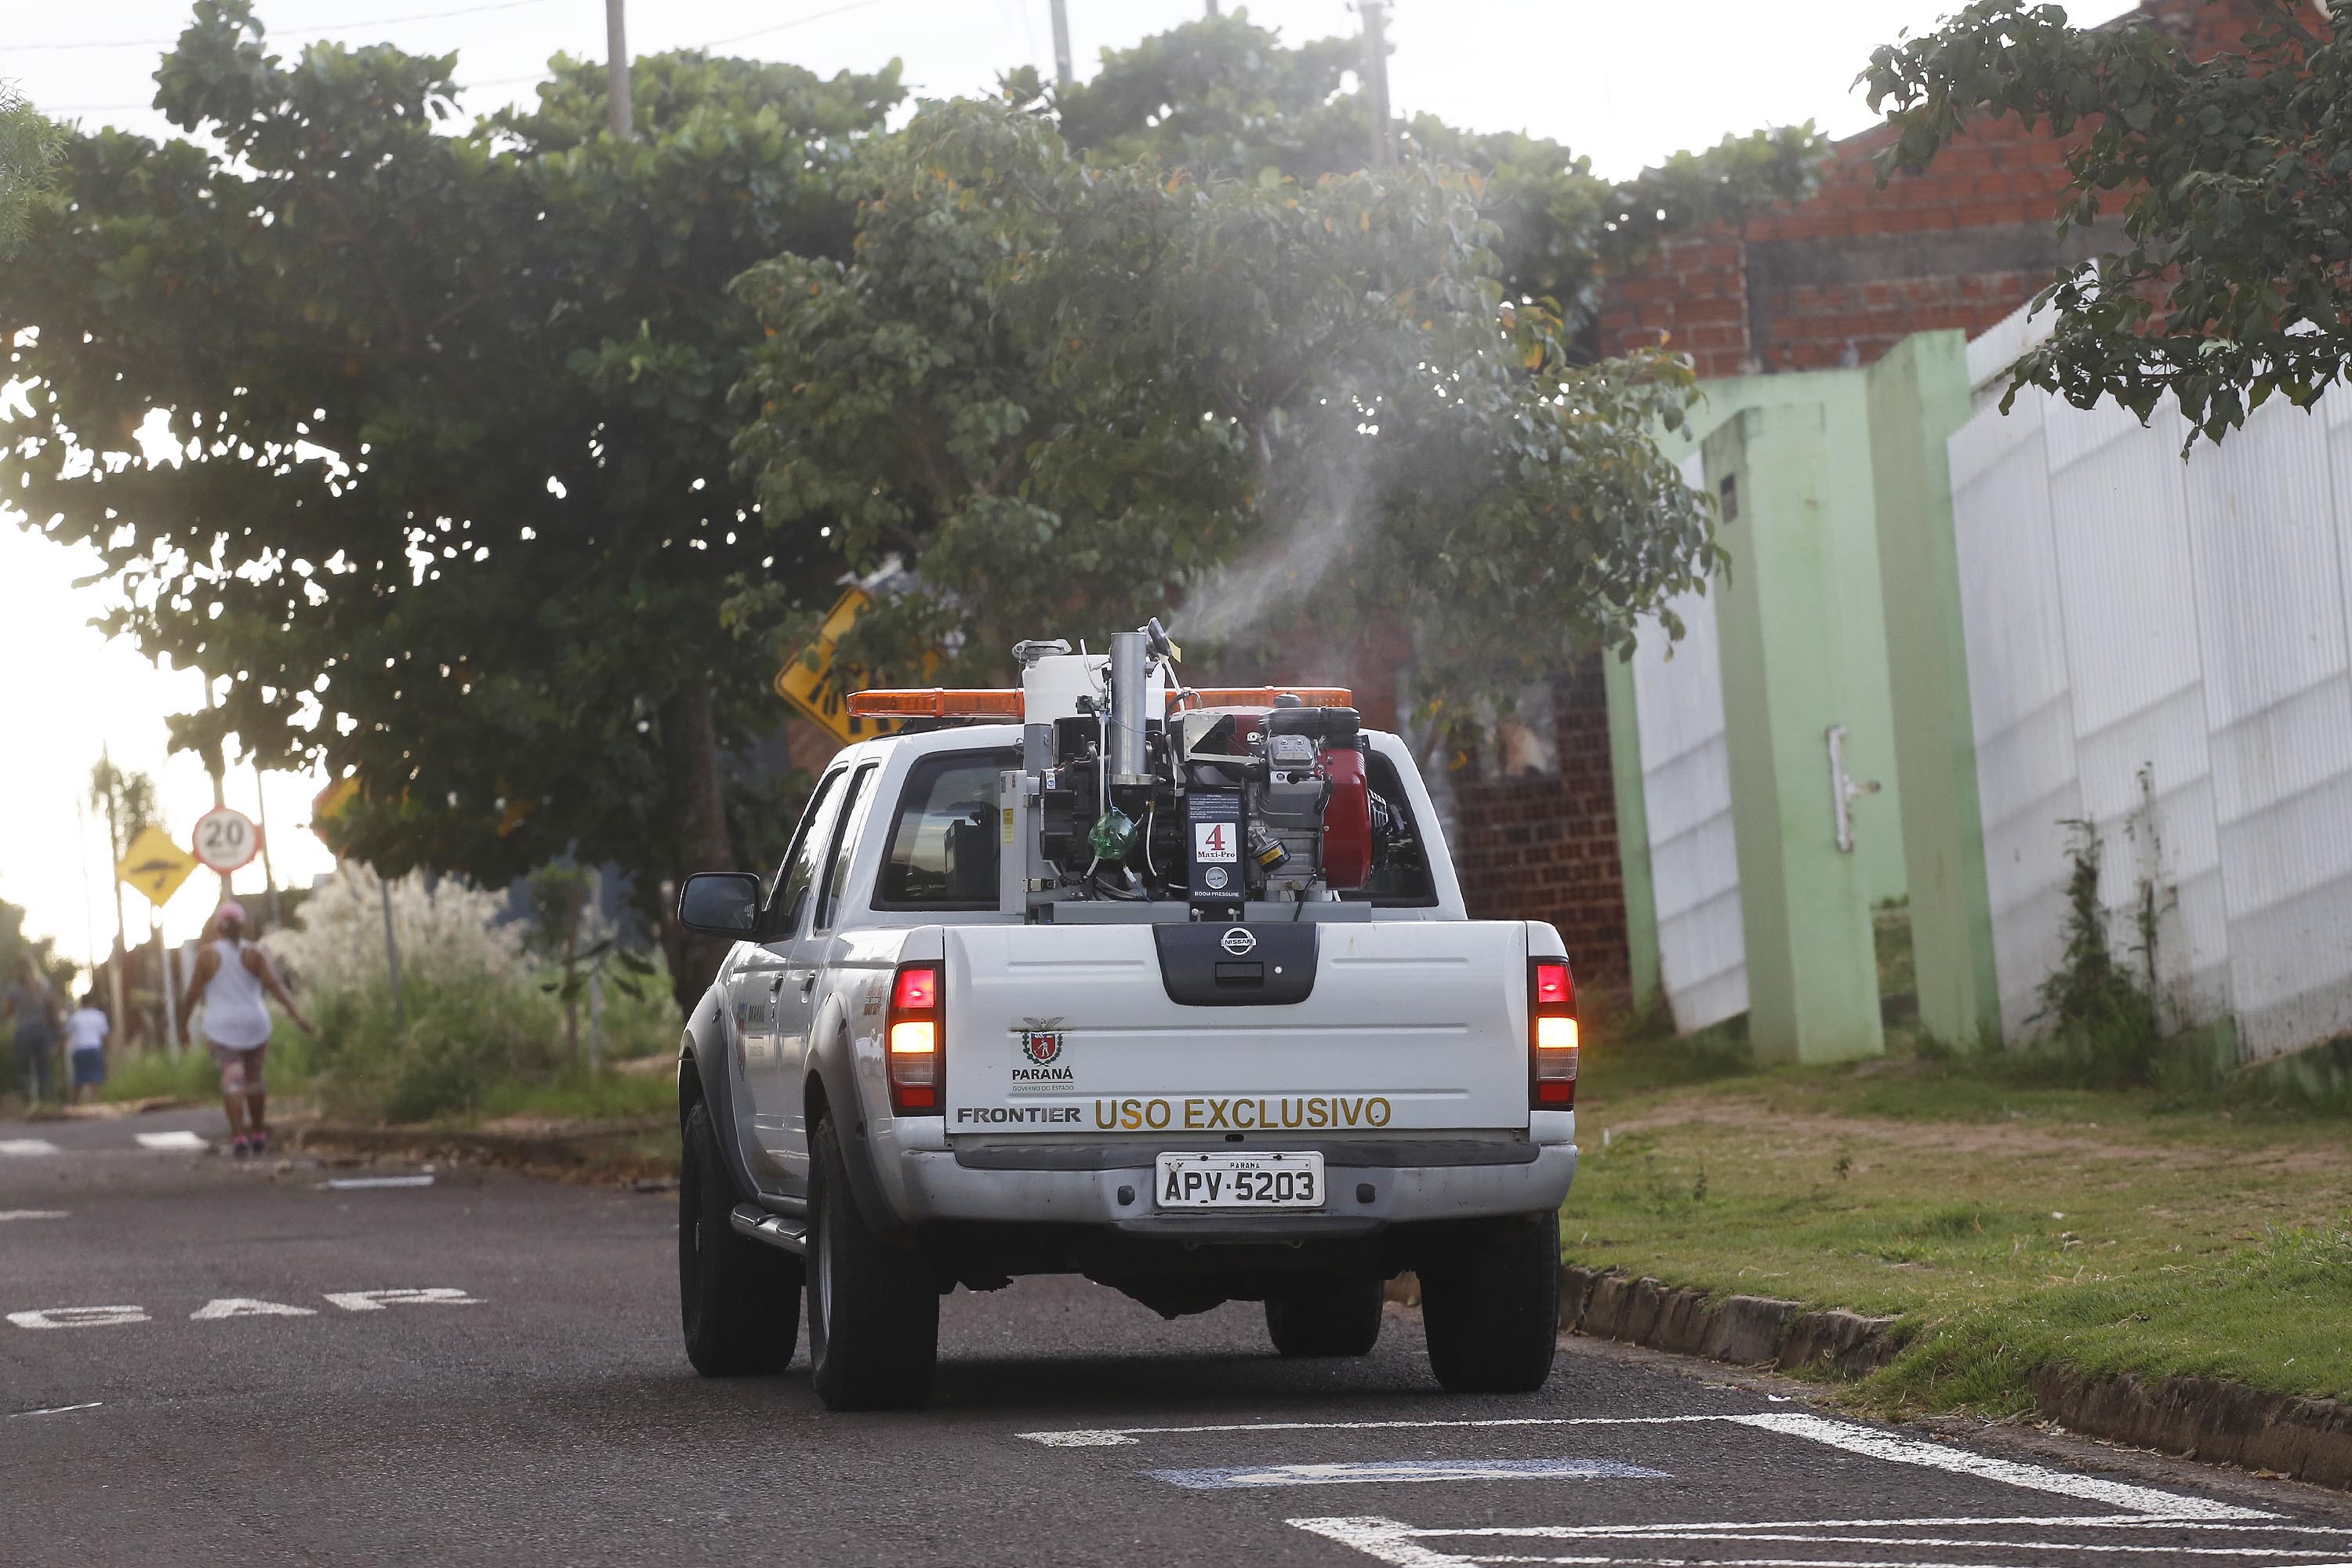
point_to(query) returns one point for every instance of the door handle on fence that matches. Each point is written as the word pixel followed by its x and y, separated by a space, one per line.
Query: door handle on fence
pixel 1843 788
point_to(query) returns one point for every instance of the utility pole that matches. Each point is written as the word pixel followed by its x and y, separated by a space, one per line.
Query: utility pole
pixel 1061 43
pixel 616 69
pixel 89 904
pixel 262 820
pixel 1212 8
pixel 1376 80
pixel 121 932
pixel 392 954
pixel 168 970
pixel 214 766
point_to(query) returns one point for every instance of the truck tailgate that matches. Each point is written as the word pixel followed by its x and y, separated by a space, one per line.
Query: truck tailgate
pixel 1415 1025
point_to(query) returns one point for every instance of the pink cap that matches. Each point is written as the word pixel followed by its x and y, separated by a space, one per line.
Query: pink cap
pixel 231 910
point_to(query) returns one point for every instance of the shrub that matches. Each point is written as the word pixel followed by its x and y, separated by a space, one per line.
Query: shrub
pixel 463 1034
pixel 479 1024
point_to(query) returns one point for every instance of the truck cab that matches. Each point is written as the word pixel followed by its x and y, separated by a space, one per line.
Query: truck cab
pixel 946 1048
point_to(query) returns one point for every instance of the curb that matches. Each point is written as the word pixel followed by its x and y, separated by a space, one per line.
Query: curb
pixel 2206 1418
pixel 584 1153
pixel 1745 1330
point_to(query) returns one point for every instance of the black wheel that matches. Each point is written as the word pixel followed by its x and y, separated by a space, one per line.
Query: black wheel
pixel 1491 1307
pixel 739 1301
pixel 874 1309
pixel 1326 1317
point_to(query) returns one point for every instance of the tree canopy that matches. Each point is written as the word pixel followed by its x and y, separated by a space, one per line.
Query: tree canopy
pixel 446 500
pixel 1224 97
pixel 1076 393
pixel 471 460
pixel 2232 177
pixel 28 153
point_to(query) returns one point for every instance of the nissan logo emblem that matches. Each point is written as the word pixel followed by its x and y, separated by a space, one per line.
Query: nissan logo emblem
pixel 1238 941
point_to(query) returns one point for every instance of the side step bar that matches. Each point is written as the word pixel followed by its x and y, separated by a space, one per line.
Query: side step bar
pixel 790 1235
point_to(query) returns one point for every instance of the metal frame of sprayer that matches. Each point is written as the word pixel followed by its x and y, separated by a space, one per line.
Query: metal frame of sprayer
pixel 1136 800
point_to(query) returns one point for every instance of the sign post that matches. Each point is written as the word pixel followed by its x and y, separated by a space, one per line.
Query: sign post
pixel 157 868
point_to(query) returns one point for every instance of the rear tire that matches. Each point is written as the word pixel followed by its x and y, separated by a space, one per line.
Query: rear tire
pixel 740 1302
pixel 874 1309
pixel 1326 1317
pixel 1491 1307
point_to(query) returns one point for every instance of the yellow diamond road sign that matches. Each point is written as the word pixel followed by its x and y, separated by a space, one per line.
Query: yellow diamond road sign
pixel 156 866
pixel 810 683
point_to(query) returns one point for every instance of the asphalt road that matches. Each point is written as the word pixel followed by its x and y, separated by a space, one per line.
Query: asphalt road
pixel 205 1362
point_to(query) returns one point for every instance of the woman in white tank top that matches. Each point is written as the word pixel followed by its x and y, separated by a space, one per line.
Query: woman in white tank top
pixel 234 980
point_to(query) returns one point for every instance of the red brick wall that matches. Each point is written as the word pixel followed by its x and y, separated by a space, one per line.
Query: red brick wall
pixel 1841 277
pixel 1544 846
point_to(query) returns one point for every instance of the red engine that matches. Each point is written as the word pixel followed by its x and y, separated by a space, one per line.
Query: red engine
pixel 1346 822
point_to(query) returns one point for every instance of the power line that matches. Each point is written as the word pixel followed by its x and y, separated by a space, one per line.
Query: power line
pixel 304 32
pixel 707 44
pixel 471 86
pixel 780 27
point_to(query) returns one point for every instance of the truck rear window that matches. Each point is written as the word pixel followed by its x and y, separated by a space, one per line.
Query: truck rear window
pixel 942 853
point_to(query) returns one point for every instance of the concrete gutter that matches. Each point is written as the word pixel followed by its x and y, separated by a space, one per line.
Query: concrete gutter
pixel 2208 1418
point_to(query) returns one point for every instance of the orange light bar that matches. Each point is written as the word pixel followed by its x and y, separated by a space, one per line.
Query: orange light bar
pixel 936 703
pixel 1261 696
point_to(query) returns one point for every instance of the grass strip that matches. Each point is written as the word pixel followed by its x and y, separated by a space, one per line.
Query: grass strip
pixel 2012 1226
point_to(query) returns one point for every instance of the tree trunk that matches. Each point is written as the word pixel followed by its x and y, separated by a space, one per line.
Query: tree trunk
pixel 690 740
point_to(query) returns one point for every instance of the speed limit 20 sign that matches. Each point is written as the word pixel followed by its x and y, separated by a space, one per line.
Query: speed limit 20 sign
pixel 225 839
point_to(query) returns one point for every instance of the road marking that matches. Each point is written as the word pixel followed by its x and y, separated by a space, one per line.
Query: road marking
pixel 2169 1548
pixel 171 1141
pixel 2145 1501
pixel 222 1307
pixel 1115 1437
pixel 28 1146
pixel 1360 1472
pixel 1402 1545
pixel 1886 1446
pixel 377 1300
pixel 60 1409
pixel 7 1215
pixel 78 1317
pixel 358 1183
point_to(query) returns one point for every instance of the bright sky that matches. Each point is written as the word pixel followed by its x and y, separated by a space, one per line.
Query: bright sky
pixel 1626 84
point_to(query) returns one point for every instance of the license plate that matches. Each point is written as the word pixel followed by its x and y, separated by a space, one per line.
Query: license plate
pixel 1288 1181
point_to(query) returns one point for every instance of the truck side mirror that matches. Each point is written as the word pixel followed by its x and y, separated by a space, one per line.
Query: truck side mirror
pixel 721 903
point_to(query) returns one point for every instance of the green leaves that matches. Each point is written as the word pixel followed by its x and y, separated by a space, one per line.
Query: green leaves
pixel 452 508
pixel 28 155
pixel 1066 395
pixel 2234 280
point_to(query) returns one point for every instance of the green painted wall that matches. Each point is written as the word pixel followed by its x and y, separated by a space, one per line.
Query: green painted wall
pixel 1918 397
pixel 1841 605
pixel 1632 831
pixel 1804 642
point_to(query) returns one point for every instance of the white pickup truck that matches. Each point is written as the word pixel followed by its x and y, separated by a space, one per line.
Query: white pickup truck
pixel 1229 1036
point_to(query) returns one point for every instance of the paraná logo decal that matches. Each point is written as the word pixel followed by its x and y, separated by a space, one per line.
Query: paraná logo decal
pixel 1238 941
pixel 1041 1039
pixel 1041 1069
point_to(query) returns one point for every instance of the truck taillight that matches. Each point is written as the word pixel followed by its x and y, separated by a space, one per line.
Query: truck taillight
pixel 914 1036
pixel 1551 1035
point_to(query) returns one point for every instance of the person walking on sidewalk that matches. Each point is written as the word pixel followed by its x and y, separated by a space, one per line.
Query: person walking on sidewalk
pixel 30 1003
pixel 232 975
pixel 86 1031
